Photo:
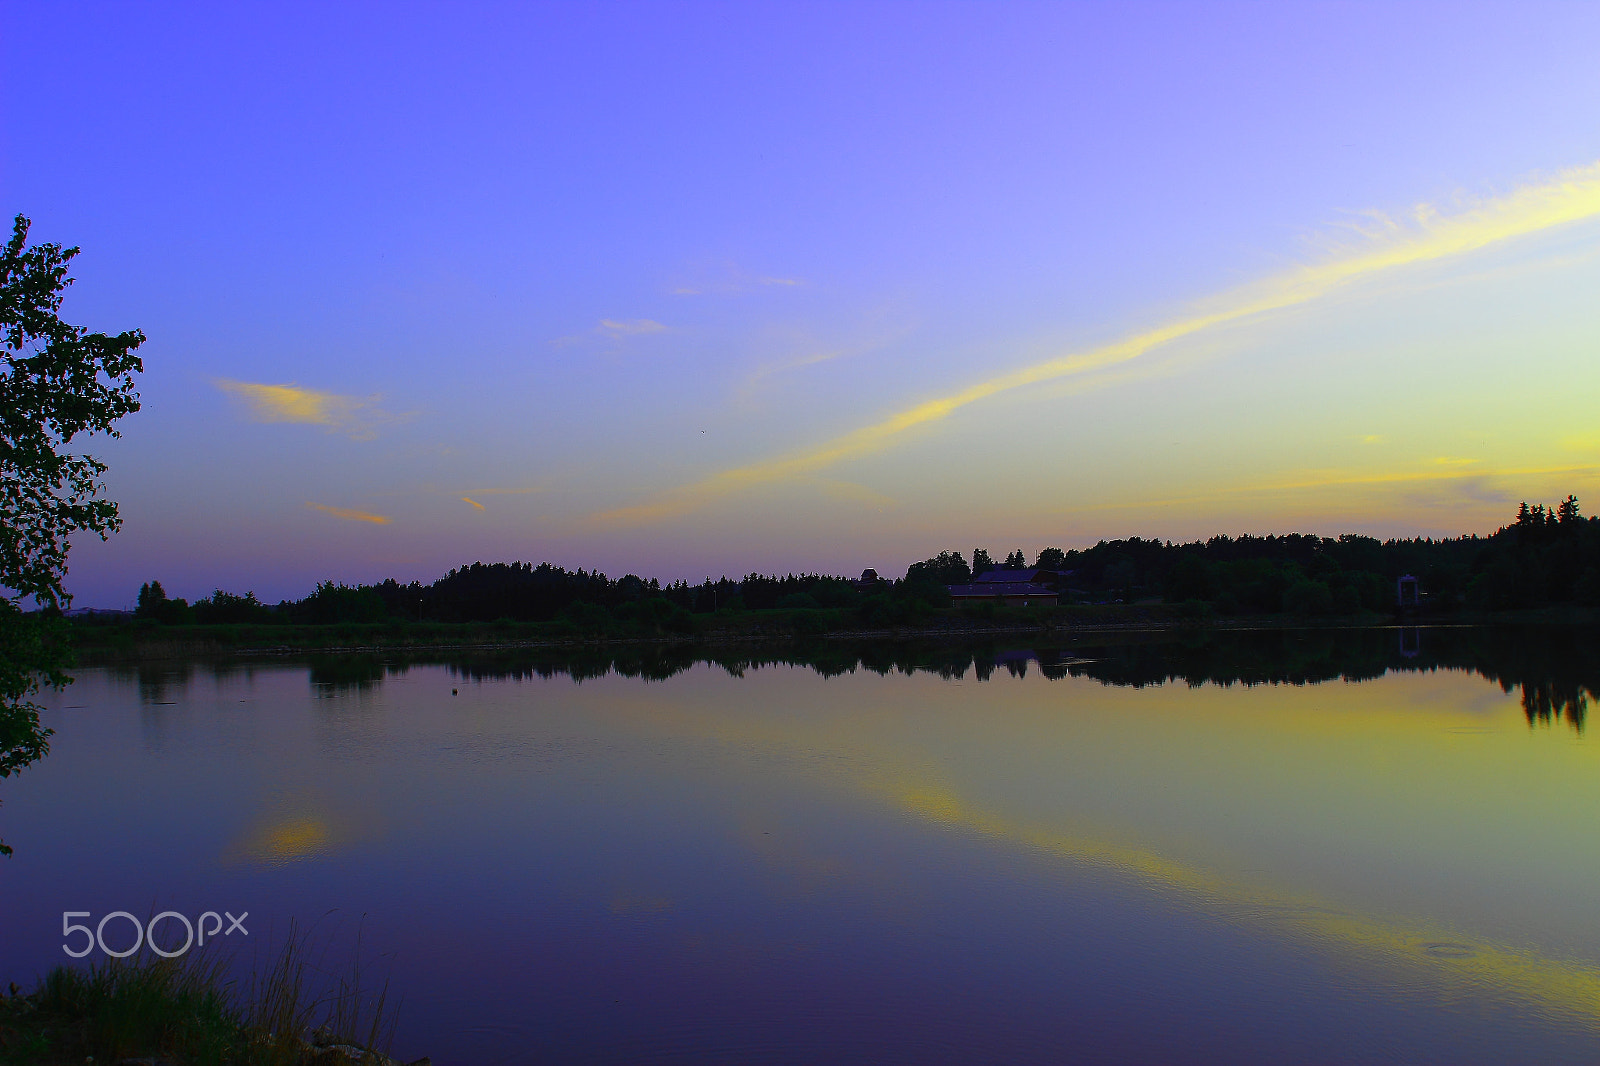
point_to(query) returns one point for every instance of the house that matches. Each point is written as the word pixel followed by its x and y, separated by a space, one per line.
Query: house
pixel 1014 588
pixel 869 580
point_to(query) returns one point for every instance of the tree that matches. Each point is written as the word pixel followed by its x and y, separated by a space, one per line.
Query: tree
pixel 981 561
pixel 154 605
pixel 946 568
pixel 152 598
pixel 57 381
pixel 1051 559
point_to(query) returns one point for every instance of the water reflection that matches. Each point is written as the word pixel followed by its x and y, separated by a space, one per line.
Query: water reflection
pixel 1543 982
pixel 160 684
pixel 1556 668
pixel 1081 848
pixel 338 675
pixel 1546 701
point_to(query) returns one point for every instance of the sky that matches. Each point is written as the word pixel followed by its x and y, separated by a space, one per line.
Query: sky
pixel 694 289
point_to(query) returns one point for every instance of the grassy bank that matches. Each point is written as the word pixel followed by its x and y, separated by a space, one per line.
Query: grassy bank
pixel 187 1011
pixel 130 641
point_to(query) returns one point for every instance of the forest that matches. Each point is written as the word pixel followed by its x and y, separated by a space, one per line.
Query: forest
pixel 1547 556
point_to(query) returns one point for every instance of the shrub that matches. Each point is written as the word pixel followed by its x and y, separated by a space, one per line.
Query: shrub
pixel 1308 597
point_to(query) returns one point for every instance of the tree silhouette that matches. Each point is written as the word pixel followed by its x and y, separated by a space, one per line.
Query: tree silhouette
pixel 57 381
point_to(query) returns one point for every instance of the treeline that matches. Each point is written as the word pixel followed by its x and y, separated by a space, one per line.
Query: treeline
pixel 1557 668
pixel 522 592
pixel 1547 556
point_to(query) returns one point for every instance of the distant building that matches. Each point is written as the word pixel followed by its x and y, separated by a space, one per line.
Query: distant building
pixel 869 580
pixel 1014 588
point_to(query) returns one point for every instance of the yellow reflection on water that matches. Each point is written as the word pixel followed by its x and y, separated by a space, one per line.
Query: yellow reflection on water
pixel 285 841
pixel 1456 964
pixel 1413 824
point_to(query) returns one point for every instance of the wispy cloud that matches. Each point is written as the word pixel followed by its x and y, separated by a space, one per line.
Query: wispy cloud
pixel 770 370
pixel 726 278
pixel 475 503
pixel 350 515
pixel 358 416
pixel 886 325
pixel 614 329
pixel 852 492
pixel 1475 482
pixel 636 327
pixel 524 491
pixel 1386 243
pixel 1450 495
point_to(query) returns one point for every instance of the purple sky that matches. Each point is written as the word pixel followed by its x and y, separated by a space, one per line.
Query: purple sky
pixel 686 289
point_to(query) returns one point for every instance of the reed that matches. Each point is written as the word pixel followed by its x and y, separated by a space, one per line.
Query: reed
pixel 192 1010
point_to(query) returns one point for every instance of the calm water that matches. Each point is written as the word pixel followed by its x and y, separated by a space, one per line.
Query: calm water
pixel 1380 846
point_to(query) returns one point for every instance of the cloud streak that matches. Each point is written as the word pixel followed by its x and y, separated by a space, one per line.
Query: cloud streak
pixel 636 327
pixel 355 415
pixel 350 515
pixel 727 278
pixel 1384 244
pixel 475 503
pixel 1357 481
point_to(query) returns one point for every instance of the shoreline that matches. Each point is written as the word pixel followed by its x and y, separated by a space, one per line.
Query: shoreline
pixel 107 645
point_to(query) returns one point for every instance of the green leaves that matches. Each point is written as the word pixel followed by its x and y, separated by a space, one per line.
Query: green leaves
pixel 56 381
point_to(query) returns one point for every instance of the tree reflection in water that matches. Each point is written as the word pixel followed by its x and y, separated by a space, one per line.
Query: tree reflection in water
pixel 1556 668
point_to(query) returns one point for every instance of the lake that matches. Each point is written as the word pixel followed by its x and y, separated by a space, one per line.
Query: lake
pixel 1374 845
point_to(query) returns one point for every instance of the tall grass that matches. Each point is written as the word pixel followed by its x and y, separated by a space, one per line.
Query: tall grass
pixel 190 1009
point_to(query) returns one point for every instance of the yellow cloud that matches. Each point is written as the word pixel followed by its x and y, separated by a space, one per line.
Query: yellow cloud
pixel 355 415
pixel 354 516
pixel 1428 235
pixel 475 503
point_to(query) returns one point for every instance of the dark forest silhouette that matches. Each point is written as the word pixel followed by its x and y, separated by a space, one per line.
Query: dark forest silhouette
pixel 1547 556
